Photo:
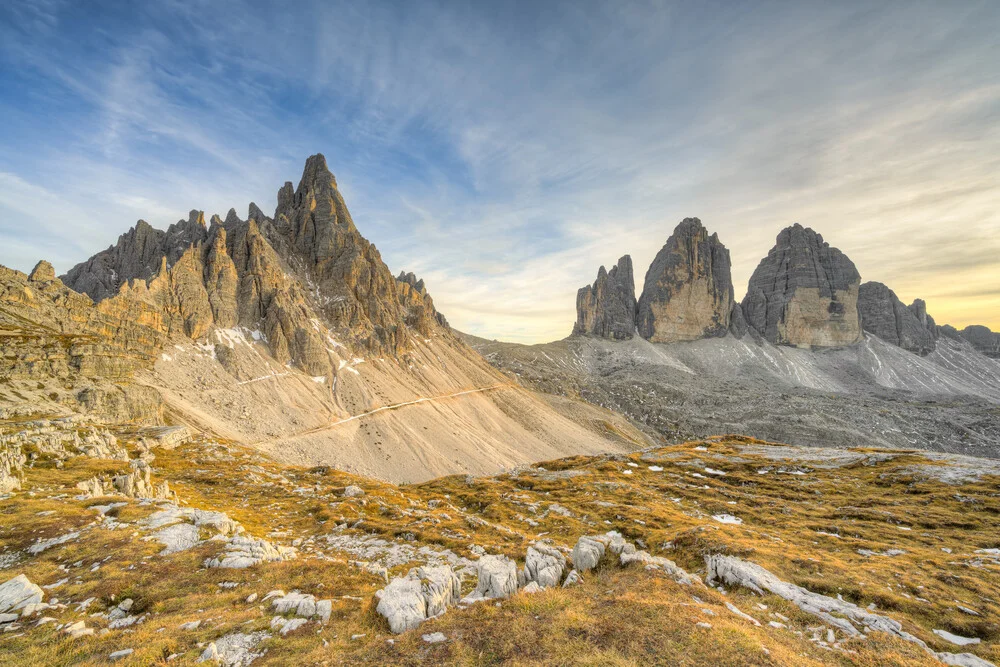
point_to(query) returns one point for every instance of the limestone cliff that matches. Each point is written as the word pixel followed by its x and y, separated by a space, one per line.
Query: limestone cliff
pixel 883 314
pixel 306 279
pixel 688 291
pixel 51 331
pixel 804 293
pixel 607 308
pixel 983 339
pixel 919 310
pixel 417 303
pixel 137 254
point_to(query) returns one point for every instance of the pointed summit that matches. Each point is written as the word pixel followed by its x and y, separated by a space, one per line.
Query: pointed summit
pixel 688 291
pixel 316 174
pixel 43 272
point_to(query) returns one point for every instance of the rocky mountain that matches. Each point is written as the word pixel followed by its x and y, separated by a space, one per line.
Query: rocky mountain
pixel 279 276
pixel 688 290
pixel 607 308
pixel 288 333
pixel 883 314
pixel 804 293
pixel 983 339
pixel 138 254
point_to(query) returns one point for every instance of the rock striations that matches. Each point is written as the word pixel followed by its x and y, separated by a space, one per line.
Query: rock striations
pixel 607 308
pixel 884 315
pixel 302 279
pixel 804 293
pixel 688 291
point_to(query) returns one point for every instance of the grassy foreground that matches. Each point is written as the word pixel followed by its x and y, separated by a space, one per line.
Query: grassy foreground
pixel 806 515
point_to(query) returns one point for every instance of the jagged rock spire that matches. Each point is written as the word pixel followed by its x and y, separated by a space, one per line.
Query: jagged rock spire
pixel 607 308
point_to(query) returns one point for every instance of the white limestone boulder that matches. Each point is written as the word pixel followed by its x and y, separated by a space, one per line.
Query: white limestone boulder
pixel 18 593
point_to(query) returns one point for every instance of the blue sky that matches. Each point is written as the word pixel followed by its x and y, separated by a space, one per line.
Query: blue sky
pixel 503 151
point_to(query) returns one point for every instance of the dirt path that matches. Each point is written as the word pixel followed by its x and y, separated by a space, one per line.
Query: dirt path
pixel 396 406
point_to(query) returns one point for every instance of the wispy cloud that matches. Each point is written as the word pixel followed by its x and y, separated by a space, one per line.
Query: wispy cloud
pixel 503 153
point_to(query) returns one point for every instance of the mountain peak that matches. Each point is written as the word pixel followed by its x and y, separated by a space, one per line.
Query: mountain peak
pixel 317 175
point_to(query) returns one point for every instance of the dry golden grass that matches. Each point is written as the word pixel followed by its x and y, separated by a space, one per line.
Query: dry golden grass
pixel 616 617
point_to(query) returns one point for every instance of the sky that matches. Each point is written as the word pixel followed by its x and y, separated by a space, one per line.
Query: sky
pixel 503 151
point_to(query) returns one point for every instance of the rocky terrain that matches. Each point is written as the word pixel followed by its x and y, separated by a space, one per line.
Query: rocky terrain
pixel 725 550
pixel 873 392
pixel 811 356
pixel 288 333
pixel 245 442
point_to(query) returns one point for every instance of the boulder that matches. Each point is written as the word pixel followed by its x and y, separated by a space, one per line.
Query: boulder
pixel 402 604
pixel 804 293
pixel 544 565
pixel 18 593
pixel 607 308
pixel 590 549
pixel 425 592
pixel 688 291
pixel 497 577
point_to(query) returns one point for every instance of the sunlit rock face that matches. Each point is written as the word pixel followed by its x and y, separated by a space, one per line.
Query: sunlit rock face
pixel 883 314
pixel 607 308
pixel 295 278
pixel 804 293
pixel 688 291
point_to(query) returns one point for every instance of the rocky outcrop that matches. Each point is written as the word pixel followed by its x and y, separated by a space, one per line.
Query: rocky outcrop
pixel 607 308
pixel 983 339
pixel 425 592
pixel 919 310
pixel 884 315
pixel 418 304
pixel 19 593
pixel 138 254
pixel 302 279
pixel 845 616
pixel 804 293
pixel 737 323
pixel 51 331
pixel 688 291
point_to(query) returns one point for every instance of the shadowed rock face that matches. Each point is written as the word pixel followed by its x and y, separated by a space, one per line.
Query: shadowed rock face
pixel 607 308
pixel 804 293
pixel 294 278
pixel 688 291
pixel 884 315
pixel 983 339
pixel 919 310
pixel 137 254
